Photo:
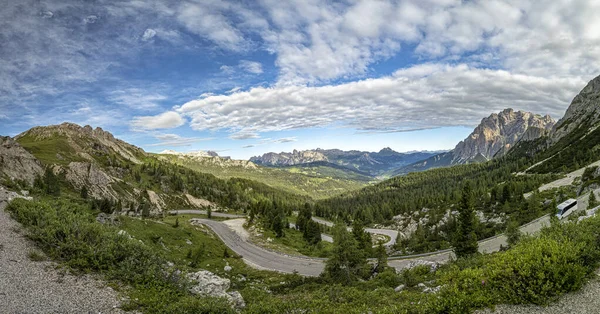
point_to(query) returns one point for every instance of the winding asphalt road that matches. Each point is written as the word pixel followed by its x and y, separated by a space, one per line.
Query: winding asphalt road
pixel 261 258
pixel 264 259
pixel 392 234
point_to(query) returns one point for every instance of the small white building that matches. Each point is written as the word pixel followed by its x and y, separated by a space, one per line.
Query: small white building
pixel 566 208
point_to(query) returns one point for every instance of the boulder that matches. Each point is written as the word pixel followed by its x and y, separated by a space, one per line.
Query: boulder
pixel 399 288
pixel 207 284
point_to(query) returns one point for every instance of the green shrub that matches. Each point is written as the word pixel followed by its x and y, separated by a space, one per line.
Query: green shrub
pixel 68 232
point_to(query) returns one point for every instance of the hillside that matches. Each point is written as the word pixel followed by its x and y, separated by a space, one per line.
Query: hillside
pixel 492 138
pixel 574 141
pixel 371 163
pixel 92 162
pixel 315 180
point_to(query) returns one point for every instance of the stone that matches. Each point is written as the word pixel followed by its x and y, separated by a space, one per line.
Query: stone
pixel 188 242
pixel 399 288
pixel 207 284
pixel 433 266
pixel 432 290
pixel 227 268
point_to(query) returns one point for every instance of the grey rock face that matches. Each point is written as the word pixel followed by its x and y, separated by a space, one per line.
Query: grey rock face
pixel 208 284
pixel 497 133
pixel 584 108
pixel 16 162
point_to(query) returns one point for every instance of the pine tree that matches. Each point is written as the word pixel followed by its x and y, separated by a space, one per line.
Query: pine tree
pixel 513 234
pixel 304 216
pixel 51 183
pixel 465 243
pixel 381 256
pixel 346 263
pixel 363 238
pixel 209 213
pixel 278 226
pixel 312 232
pixel 592 200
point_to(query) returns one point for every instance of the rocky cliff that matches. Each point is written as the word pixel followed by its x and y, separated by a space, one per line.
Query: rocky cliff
pixel 493 137
pixel 584 109
pixel 498 133
pixel 16 163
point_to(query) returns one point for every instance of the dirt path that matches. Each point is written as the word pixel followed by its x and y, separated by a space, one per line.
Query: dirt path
pixel 39 287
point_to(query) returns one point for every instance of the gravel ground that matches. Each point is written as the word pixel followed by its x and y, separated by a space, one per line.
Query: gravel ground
pixel 39 287
pixel 583 301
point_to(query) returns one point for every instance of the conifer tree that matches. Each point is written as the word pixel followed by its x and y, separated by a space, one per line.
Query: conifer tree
pixel 363 238
pixel 465 242
pixel 312 232
pixel 346 263
pixel 381 256
pixel 592 200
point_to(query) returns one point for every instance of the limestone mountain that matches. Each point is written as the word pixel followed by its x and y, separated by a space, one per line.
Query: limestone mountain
pixel 367 163
pixel 497 134
pixel 493 137
pixel 573 142
pixel 111 170
pixel 289 159
pixel 199 153
pixel 206 159
pixel 583 110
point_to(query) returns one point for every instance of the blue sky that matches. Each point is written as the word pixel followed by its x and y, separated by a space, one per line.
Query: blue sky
pixel 247 77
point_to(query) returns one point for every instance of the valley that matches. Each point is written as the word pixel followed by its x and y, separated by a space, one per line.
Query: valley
pixel 372 226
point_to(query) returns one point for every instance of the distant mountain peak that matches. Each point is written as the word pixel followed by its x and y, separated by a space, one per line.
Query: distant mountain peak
pixel 496 134
pixel 387 150
pixel 199 153
pixel 374 163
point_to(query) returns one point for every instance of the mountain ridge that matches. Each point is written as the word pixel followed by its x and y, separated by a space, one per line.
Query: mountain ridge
pixel 373 163
pixel 495 135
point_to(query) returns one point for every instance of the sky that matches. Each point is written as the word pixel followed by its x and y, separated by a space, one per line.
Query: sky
pixel 247 77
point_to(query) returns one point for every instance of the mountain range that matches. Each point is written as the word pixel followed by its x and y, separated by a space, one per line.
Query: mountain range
pixel 493 137
pixel 369 163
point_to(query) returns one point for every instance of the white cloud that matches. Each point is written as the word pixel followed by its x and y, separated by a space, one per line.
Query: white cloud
pixel 90 19
pixel 136 98
pixel 243 135
pixel 148 34
pixel 166 120
pixel 208 20
pixel 174 140
pixel 251 66
pixel 426 96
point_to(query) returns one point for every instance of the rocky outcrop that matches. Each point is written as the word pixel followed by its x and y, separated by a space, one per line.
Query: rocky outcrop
pixel 207 284
pixel 499 132
pixel 493 137
pixel 87 174
pixel 584 108
pixel 85 141
pixel 16 163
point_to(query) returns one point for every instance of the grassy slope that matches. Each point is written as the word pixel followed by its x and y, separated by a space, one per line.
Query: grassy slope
pixel 317 182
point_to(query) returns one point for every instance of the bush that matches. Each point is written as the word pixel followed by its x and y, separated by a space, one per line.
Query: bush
pixel 68 232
